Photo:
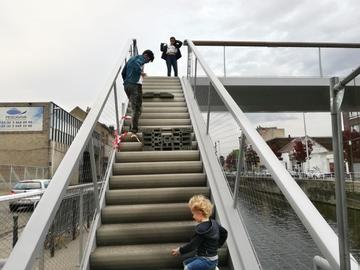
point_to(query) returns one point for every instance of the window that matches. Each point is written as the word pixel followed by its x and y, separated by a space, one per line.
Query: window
pixel 27 185
pixel 354 115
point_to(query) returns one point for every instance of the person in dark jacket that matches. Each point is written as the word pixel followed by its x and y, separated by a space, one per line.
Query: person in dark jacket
pixel 171 53
pixel 132 74
pixel 208 238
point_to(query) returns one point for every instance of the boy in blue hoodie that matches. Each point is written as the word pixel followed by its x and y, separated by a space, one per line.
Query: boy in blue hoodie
pixel 208 237
pixel 132 75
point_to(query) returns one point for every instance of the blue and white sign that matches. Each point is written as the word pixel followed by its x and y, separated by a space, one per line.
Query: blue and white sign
pixel 21 118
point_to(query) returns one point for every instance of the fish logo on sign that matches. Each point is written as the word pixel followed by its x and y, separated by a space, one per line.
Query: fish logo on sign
pixel 15 111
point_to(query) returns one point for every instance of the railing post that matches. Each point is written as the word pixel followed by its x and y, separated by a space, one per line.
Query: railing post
pixel 116 109
pixel 240 168
pixel 81 216
pixel 15 229
pixel 52 239
pixel 88 211
pixel 208 112
pixel 341 206
pixel 73 219
pixel 10 176
pixel 320 63
pixel 188 71
pixel 195 77
pixel 94 177
pixel 224 56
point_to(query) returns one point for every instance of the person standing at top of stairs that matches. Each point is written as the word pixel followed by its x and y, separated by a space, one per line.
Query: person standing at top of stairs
pixel 208 238
pixel 171 53
pixel 132 74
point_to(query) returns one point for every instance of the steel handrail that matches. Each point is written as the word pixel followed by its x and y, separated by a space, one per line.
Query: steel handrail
pixel 15 197
pixel 276 44
pixel 24 252
pixel 323 235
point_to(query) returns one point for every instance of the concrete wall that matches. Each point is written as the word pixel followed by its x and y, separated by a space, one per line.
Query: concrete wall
pixel 29 148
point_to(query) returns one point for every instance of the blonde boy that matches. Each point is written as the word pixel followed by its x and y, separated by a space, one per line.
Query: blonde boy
pixel 208 237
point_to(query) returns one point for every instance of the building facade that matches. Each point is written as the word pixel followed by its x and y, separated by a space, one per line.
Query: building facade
pixel 39 134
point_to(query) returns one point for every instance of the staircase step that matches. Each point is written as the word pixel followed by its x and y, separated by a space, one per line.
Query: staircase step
pixel 153 195
pixel 175 92
pixel 140 136
pixel 156 99
pixel 138 146
pixel 156 156
pixel 145 257
pixel 157 167
pixel 166 115
pixel 127 128
pixel 161 78
pixel 168 109
pixel 145 213
pixel 164 87
pixel 157 180
pixel 144 233
pixel 131 146
pixel 164 104
pixel 160 122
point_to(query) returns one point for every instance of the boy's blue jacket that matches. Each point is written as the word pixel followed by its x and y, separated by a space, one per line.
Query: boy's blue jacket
pixel 132 70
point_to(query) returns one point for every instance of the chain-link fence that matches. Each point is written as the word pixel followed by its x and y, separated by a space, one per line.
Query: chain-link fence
pixel 68 231
pixel 10 174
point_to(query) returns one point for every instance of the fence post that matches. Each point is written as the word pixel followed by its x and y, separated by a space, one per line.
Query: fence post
pixel 88 211
pixel 52 239
pixel 320 63
pixel 240 167
pixel 10 176
pixel 73 220
pixel 15 229
pixel 116 109
pixel 195 77
pixel 81 215
pixel 93 173
pixel 208 112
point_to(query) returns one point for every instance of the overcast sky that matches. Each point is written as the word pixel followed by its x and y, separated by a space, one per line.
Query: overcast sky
pixel 64 51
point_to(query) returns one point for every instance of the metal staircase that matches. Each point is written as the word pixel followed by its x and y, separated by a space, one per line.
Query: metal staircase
pixel 146 212
pixel 141 210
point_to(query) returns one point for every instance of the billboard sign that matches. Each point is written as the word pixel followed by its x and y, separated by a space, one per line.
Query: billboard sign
pixel 21 118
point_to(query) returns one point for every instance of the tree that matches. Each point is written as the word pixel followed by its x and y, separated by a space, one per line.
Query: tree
pixel 275 148
pixel 299 151
pixel 251 157
pixel 230 161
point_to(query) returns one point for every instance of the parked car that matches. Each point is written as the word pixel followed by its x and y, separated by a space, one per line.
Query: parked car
pixel 28 186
